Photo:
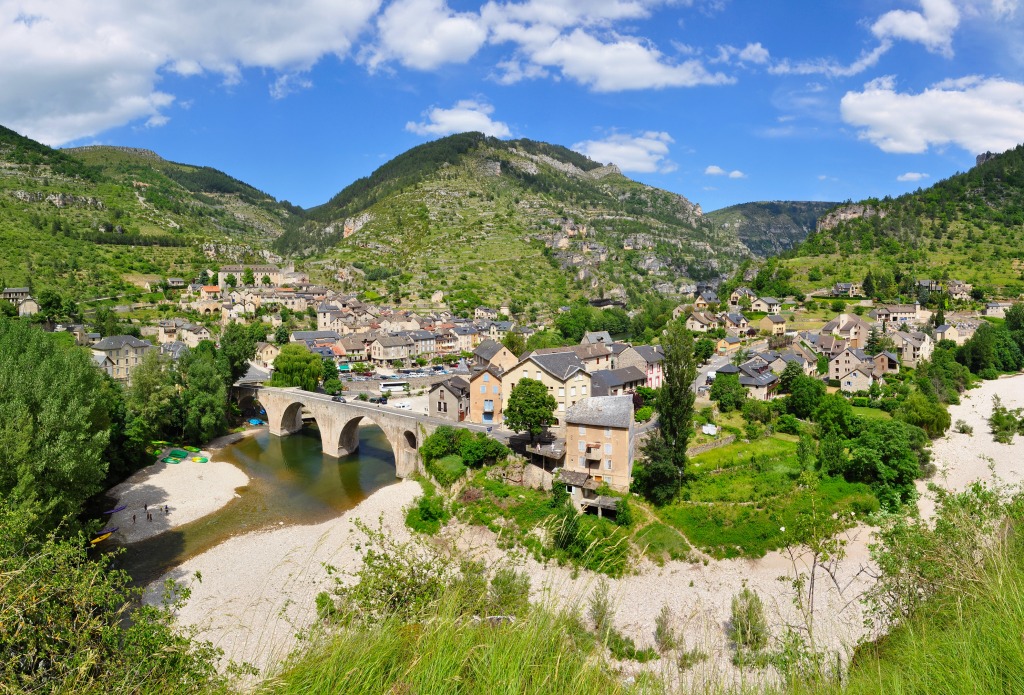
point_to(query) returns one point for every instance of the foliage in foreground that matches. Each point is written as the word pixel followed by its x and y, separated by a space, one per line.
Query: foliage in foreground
pixel 67 624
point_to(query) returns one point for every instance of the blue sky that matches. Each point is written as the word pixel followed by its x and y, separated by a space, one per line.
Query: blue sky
pixel 722 101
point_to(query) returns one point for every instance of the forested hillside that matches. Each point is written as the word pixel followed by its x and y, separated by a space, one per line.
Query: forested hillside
pixel 99 221
pixel 968 227
pixel 492 220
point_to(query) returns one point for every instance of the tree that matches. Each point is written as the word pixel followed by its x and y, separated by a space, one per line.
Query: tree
pixel 834 415
pixel 152 399
pixel 530 408
pixel 54 424
pixel 703 350
pixel 231 280
pixel 281 335
pixel 1015 317
pixel 7 309
pixel 727 391
pixel 657 480
pixel 514 342
pixel 204 400
pixel 238 346
pixel 297 366
pixel 675 403
pixel 789 375
pixel 832 459
pixel 805 394
pixel 248 278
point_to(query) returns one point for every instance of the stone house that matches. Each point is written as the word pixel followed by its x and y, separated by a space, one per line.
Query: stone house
pixel 491 353
pixel 847 289
pixel 647 358
pixel 449 399
pixel 485 397
pixel 266 353
pixel 600 439
pixel 768 305
pixel 562 373
pixel 120 354
pixel 739 295
pixel 959 291
pixel 947 332
pixel 859 379
pixel 701 322
pixel 734 323
pixel 616 382
pixel 772 325
pixel 390 348
pixel 913 348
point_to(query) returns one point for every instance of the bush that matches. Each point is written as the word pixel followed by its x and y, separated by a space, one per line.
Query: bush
pixel 429 513
pixel 623 512
pixel 861 402
pixel 664 633
pixel 787 424
pixel 748 628
pixel 644 414
pixel 963 428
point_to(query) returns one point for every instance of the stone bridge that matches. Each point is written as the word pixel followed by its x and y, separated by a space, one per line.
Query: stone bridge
pixel 339 424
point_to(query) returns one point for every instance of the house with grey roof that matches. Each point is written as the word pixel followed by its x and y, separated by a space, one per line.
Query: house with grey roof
pixel 600 440
pixel 646 358
pixel 617 382
pixel 123 353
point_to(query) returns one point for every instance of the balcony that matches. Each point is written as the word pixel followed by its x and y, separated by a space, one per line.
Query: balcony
pixel 551 449
pixel 593 453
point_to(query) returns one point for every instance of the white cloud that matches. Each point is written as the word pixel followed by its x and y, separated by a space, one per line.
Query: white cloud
pixel 975 113
pixel 829 67
pixel 424 34
pixel 754 53
pixel 911 176
pixel 623 64
pixel 467 115
pixel 933 27
pixel 715 170
pixel 74 69
pixel 646 152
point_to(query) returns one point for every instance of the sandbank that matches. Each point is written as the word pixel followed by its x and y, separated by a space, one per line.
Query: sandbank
pixel 189 490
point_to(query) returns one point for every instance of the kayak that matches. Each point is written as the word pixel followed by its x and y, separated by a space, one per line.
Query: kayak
pixel 200 459
pixel 115 510
pixel 100 539
pixel 171 459
pixel 193 449
pixel 109 529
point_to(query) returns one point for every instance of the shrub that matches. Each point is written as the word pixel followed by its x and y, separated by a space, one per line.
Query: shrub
pixel 787 424
pixel 429 513
pixel 509 593
pixel 644 414
pixel 623 512
pixel 664 633
pixel 860 402
pixel 963 428
pixel 1003 423
pixel 748 628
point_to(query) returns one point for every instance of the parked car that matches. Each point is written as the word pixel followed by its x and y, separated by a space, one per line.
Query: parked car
pixel 379 399
pixel 339 399
pixel 403 406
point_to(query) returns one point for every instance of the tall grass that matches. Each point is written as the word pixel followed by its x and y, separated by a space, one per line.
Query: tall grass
pixel 541 652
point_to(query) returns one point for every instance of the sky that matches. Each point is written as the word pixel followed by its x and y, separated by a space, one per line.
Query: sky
pixel 722 101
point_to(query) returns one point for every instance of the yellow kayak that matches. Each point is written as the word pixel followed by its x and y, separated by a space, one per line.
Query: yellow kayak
pixel 101 538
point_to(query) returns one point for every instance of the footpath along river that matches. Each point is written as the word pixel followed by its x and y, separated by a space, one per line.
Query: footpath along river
pixel 290 482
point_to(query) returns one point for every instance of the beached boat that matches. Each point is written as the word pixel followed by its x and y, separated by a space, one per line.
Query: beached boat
pixel 101 538
pixel 118 508
pixel 193 449
pixel 200 459
pixel 171 459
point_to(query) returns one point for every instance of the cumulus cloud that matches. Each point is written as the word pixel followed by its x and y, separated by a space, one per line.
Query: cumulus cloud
pixel 715 170
pixel 625 63
pixel 646 152
pixel 424 34
pixel 974 113
pixel 911 176
pixel 932 27
pixel 466 115
pixel 74 69
pixel 754 53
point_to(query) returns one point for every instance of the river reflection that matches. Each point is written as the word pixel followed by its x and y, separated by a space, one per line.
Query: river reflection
pixel 290 482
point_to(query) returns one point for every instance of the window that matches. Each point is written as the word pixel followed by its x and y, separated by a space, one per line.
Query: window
pixel 538 375
pixel 608 464
pixel 440 405
pixel 487 377
pixel 440 394
pixel 495 389
pixel 569 489
pixel 583 430
pixel 582 446
pixel 483 389
pixel 572 391
pixel 608 448
pixel 561 392
pixel 583 390
pixel 607 431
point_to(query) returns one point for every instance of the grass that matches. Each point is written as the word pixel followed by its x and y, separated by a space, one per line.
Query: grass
pixel 662 542
pixel 871 413
pixel 542 652
pixel 743 495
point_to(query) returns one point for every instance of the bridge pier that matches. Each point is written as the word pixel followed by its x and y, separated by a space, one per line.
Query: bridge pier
pixel 287 422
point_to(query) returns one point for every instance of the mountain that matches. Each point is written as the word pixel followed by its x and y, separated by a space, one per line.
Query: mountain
pixel 489 221
pixel 98 221
pixel 771 228
pixel 968 227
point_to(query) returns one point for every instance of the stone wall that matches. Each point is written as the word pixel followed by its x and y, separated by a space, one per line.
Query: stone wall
pixel 724 441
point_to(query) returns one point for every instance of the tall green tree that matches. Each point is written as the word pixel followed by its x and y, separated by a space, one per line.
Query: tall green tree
pixel 152 399
pixel 248 278
pixel 297 366
pixel 238 346
pixel 675 402
pixel 281 335
pixel 204 400
pixel 530 408
pixel 788 376
pixel 54 423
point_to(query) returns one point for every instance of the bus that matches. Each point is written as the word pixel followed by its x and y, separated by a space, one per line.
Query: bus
pixel 387 387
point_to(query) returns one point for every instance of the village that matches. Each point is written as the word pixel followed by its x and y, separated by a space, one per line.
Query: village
pixel 459 369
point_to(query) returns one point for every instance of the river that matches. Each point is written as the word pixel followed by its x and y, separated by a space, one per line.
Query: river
pixel 291 481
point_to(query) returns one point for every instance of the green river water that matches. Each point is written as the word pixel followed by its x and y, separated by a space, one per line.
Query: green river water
pixel 290 482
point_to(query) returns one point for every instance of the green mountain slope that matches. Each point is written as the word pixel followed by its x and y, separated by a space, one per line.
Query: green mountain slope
pixel 494 221
pixel 771 228
pixel 98 221
pixel 968 227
